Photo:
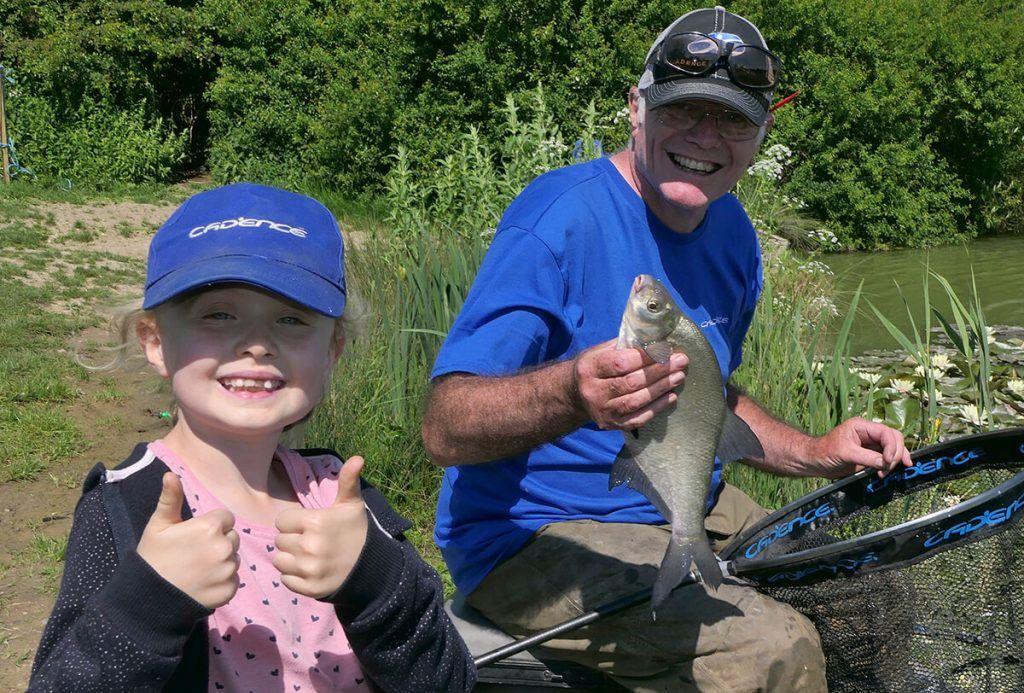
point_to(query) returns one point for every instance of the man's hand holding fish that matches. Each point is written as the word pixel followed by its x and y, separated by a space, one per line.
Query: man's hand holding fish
pixel 624 389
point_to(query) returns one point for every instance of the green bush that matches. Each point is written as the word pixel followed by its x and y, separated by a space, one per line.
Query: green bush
pixel 97 148
pixel 907 127
pixel 105 92
pixel 908 130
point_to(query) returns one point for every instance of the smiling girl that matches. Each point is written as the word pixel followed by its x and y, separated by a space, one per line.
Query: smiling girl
pixel 217 558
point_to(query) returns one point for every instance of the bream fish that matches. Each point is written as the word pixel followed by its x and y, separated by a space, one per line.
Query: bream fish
pixel 670 459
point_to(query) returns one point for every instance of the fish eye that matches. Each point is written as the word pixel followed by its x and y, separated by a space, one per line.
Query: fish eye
pixel 653 306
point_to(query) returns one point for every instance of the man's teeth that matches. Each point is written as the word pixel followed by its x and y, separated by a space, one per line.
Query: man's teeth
pixel 252 384
pixel 694 164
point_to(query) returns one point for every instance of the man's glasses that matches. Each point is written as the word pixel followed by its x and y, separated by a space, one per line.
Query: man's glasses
pixel 732 125
pixel 694 55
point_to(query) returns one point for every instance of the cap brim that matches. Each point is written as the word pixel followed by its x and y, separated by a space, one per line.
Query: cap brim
pixel 292 282
pixel 724 92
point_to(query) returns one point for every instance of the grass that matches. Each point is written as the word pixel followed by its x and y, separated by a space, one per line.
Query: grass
pixel 47 296
pixel 45 557
pixel 28 192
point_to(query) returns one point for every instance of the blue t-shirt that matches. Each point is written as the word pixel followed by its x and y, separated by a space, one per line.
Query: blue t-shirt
pixel 554 282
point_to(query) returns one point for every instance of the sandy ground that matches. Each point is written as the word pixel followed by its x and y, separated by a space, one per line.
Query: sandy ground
pixel 111 426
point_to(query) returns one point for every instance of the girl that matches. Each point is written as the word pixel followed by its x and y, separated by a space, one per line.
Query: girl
pixel 217 558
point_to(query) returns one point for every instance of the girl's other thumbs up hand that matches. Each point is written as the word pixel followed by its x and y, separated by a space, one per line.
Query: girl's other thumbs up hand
pixel 318 548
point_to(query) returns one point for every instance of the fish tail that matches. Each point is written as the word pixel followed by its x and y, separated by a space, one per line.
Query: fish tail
pixel 675 567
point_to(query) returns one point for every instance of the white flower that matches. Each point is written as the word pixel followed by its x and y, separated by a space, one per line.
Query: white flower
pixel 766 168
pixel 779 152
pixel 824 236
pixel 990 334
pixel 825 305
pixel 938 395
pixel 941 361
pixel 971 413
pixel 1016 387
pixel 816 267
pixel 934 373
pixel 868 377
pixel 902 385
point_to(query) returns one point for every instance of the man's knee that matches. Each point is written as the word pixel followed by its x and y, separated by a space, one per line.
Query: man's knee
pixel 785 655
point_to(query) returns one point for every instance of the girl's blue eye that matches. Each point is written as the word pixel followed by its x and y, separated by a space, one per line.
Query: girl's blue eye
pixel 218 315
pixel 293 320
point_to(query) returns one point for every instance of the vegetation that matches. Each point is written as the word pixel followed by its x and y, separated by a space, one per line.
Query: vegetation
pixel 417 253
pixel 37 376
pixel 907 133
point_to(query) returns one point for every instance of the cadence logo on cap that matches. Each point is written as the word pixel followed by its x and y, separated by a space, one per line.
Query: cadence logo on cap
pixel 246 222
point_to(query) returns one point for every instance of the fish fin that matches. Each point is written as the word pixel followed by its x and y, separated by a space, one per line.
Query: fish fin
pixel 674 567
pixel 680 554
pixel 658 351
pixel 737 441
pixel 627 471
pixel 707 564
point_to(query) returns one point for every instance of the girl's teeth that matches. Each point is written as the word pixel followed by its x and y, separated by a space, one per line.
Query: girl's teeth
pixel 252 384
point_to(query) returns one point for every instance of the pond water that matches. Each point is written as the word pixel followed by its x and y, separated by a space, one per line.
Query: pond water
pixel 997 264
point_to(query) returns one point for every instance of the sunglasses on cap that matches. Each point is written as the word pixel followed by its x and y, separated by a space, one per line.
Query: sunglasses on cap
pixel 692 54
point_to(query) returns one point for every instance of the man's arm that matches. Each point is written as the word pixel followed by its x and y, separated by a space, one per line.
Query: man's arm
pixel 471 419
pixel 853 445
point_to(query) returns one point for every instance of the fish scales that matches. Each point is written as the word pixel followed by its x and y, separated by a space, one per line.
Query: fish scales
pixel 670 460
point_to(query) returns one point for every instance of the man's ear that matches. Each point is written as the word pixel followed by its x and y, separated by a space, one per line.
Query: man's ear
pixel 761 136
pixel 149 339
pixel 636 103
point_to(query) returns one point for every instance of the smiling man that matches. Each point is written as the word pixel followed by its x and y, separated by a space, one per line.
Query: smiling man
pixel 530 396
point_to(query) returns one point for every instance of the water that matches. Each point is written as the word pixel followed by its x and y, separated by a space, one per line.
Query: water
pixel 997 262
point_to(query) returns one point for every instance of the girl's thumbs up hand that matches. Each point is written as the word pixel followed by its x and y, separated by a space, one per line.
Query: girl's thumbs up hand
pixel 199 556
pixel 317 549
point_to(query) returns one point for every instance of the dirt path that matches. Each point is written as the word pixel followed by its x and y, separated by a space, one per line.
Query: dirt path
pixel 113 410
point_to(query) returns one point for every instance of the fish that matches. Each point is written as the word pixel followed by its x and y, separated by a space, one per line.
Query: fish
pixel 670 459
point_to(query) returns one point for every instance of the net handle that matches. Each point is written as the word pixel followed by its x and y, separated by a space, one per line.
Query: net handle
pixel 898 546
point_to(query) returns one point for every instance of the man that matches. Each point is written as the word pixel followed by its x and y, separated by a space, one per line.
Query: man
pixel 529 390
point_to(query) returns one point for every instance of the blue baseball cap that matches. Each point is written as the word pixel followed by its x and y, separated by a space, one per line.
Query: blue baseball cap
pixel 278 240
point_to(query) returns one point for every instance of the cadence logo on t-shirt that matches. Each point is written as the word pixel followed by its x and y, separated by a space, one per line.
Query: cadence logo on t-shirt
pixel 246 222
pixel 721 320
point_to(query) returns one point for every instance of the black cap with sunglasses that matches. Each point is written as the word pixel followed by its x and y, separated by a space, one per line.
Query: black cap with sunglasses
pixel 712 55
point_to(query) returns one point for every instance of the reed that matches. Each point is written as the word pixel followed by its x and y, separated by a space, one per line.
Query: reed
pixel 968 334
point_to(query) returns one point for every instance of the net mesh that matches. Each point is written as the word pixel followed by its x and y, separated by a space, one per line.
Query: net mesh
pixel 952 622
